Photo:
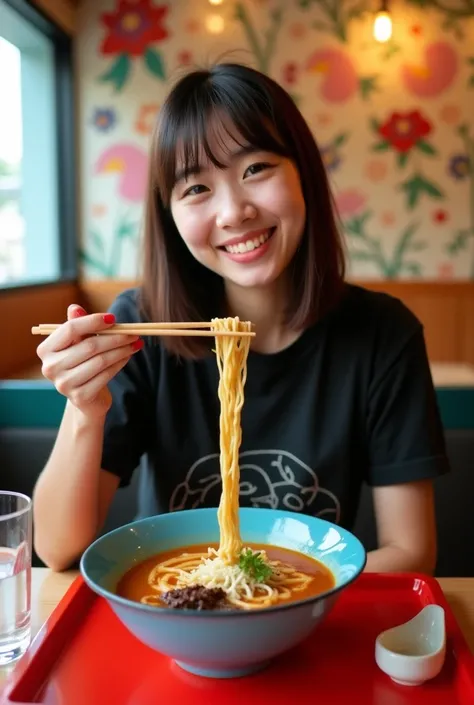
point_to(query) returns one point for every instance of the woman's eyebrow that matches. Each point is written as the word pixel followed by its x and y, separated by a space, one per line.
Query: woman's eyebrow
pixel 196 169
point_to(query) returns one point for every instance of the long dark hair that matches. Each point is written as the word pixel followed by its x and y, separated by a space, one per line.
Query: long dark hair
pixel 175 287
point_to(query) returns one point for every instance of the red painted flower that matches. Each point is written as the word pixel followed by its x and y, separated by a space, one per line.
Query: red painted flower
pixel 403 130
pixel 290 73
pixel 440 216
pixel 133 27
pixel 185 58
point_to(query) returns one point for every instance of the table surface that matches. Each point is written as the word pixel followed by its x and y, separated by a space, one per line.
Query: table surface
pixel 48 588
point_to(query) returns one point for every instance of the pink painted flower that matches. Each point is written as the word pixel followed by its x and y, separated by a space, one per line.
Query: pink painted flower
pixel 350 202
pixel 340 81
pixel 376 170
pixel 435 74
pixel 98 210
pixel 450 114
pixel 192 26
pixel 131 163
pixel 324 119
pixel 446 270
pixel 298 30
pixel 387 218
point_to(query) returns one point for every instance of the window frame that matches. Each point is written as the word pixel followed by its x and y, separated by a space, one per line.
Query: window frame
pixel 65 145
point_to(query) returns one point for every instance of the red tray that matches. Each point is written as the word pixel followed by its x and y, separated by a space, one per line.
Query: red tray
pixel 84 656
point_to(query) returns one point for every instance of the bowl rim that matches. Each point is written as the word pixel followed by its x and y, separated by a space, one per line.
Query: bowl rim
pixel 226 614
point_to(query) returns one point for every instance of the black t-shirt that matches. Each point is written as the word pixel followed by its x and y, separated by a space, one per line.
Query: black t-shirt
pixel 351 400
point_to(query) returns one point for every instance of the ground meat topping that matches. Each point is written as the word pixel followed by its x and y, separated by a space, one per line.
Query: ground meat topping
pixel 195 597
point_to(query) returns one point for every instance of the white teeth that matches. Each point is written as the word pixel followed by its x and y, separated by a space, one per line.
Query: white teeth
pixel 248 246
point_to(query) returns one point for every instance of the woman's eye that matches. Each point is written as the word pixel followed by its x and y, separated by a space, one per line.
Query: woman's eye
pixel 256 168
pixel 194 190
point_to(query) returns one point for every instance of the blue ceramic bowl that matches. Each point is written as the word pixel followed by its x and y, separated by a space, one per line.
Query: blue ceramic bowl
pixel 222 644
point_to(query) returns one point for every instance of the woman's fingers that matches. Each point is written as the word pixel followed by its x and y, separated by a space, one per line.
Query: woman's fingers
pixel 86 349
pixel 89 391
pixel 73 330
pixel 71 373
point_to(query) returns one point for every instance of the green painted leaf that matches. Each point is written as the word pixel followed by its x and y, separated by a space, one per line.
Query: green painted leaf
pixel 470 60
pixel 404 243
pixel 320 26
pixel 361 256
pixel 340 139
pixel 418 246
pixel 471 81
pixel 88 259
pixel 367 86
pixel 418 185
pixel 375 124
pixel 432 189
pixel 413 268
pixel 127 230
pixel 425 147
pixel 118 73
pixel 381 146
pixel 97 242
pixel 357 11
pixel 390 51
pixel 460 241
pixel 355 226
pixel 402 158
pixel 154 62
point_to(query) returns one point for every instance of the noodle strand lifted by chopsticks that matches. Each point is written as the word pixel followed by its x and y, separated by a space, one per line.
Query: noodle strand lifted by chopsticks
pixel 232 356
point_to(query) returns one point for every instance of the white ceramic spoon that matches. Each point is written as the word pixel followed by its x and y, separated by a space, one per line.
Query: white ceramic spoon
pixel 414 652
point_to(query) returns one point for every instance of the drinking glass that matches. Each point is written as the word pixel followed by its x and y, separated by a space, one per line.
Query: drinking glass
pixel 15 575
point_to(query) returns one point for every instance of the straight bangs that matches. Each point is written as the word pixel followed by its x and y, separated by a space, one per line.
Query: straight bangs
pixel 209 115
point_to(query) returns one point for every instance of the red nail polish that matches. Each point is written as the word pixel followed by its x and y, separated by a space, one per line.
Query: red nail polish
pixel 138 344
pixel 109 318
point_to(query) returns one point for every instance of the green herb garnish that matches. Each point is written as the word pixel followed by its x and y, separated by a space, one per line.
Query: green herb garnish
pixel 254 565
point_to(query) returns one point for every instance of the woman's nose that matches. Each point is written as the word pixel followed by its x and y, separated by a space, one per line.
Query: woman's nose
pixel 233 211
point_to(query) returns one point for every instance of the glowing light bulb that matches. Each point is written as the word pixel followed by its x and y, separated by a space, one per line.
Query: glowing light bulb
pixel 383 26
pixel 215 24
pixel 215 2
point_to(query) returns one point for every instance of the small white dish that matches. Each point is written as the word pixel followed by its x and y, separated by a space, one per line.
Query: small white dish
pixel 414 652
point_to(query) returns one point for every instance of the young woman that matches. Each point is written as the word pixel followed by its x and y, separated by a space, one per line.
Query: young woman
pixel 239 221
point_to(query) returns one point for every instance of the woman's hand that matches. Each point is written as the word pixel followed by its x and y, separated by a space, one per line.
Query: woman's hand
pixel 80 363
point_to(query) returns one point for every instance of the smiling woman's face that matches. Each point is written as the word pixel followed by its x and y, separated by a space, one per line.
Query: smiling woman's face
pixel 244 221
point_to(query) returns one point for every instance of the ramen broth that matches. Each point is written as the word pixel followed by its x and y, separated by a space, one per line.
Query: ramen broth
pixel 134 583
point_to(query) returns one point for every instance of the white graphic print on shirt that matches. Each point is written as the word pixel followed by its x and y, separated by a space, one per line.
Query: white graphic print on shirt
pixel 268 478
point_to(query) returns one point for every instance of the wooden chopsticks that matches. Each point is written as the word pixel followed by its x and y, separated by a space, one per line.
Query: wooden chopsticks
pixel 188 329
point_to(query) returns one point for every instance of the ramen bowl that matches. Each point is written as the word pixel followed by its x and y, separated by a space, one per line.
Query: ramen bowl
pixel 212 643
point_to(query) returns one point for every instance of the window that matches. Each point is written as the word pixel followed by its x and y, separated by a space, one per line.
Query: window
pixel 37 212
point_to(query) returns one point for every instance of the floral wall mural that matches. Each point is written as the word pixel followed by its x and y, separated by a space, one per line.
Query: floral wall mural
pixel 394 121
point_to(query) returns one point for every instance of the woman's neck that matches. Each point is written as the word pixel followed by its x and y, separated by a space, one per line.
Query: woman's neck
pixel 265 307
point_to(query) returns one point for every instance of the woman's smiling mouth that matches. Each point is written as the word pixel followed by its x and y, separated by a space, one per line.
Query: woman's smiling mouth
pixel 249 247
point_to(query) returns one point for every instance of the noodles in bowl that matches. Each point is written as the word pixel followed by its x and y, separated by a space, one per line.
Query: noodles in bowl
pixel 187 584
pixel 230 574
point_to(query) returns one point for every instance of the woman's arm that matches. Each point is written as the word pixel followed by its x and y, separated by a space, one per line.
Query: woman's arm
pixel 406 528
